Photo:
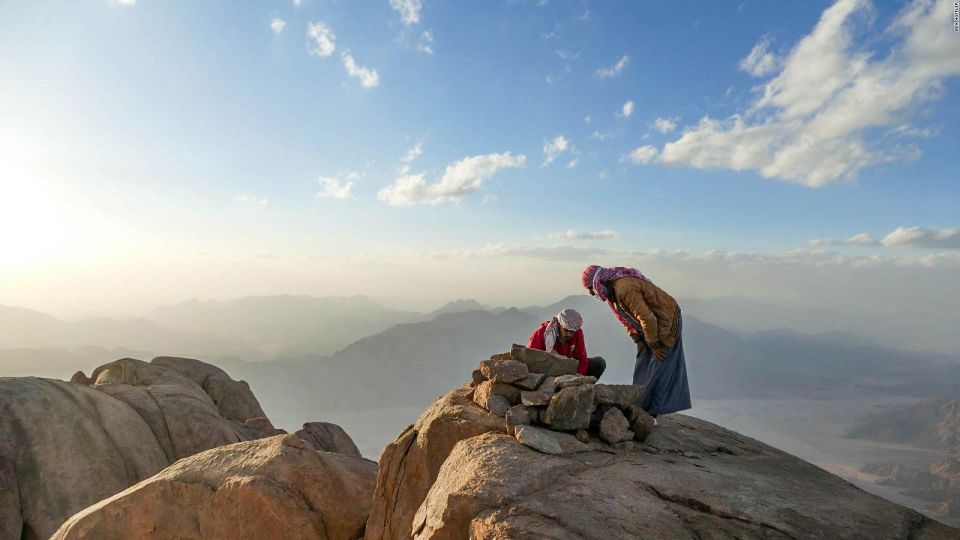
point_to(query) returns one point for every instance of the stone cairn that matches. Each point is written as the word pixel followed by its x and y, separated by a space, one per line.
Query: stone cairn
pixel 547 406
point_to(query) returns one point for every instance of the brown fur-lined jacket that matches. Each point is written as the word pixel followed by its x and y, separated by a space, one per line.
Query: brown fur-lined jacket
pixel 654 311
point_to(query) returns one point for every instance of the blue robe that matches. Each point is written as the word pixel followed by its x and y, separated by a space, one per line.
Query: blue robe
pixel 666 384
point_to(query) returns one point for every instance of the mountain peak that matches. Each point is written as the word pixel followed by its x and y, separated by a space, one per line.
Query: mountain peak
pixel 459 305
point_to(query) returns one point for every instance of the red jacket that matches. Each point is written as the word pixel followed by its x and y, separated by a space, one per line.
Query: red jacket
pixel 573 348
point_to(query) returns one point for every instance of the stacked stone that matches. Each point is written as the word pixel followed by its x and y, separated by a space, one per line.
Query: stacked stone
pixel 548 406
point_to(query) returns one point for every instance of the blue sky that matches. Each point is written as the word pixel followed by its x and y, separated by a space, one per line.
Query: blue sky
pixel 186 148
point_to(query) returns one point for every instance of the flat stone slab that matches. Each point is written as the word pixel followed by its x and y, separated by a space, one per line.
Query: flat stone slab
pixel 507 371
pixel 570 408
pixel 565 381
pixel 534 399
pixel 538 361
pixel 532 381
pixel 542 440
pixel 621 395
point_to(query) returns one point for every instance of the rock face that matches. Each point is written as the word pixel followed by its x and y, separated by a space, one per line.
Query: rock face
pixel 183 417
pixel 410 465
pixel 269 488
pixel 457 474
pixel 65 446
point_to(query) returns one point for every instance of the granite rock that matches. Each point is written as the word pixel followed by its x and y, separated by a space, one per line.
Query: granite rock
pixel 570 408
pixel 506 371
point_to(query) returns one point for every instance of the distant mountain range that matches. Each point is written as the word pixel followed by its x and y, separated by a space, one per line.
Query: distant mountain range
pixel 24 328
pixel 409 364
pixel 318 344
pixel 931 423
pixel 284 325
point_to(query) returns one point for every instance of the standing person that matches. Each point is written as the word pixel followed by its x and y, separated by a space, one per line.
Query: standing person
pixel 652 319
pixel 563 335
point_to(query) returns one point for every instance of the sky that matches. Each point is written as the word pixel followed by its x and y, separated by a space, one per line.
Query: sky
pixel 418 151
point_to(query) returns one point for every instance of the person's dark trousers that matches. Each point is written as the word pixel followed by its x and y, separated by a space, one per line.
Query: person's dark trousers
pixel 596 366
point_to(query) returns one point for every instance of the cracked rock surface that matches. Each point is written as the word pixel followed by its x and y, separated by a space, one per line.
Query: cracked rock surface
pixel 456 474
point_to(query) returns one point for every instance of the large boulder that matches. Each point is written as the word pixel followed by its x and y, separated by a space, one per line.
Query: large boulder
pixel 182 416
pixel 410 465
pixel 233 399
pixel 455 474
pixel 327 437
pixel 269 488
pixel 64 447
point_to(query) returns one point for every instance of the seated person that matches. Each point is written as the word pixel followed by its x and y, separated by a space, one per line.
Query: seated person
pixel 563 335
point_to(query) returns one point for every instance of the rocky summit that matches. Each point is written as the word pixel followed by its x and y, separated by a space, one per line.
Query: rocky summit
pixel 465 471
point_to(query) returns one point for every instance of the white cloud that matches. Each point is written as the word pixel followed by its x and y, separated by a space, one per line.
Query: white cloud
pixel 759 62
pixel 368 77
pixel 573 163
pixel 603 175
pixel 409 157
pixel 640 155
pixel 409 10
pixel 923 237
pixel 339 186
pixel 811 123
pixel 426 42
pixel 324 40
pixel 627 109
pixel 587 119
pixel 489 199
pixel 572 234
pixel 553 149
pixel 615 69
pixel 124 2
pixel 250 199
pixel 861 240
pixel 915 237
pixel 297 3
pixel 459 180
pixel 665 125
pixel 567 55
pixel 277 25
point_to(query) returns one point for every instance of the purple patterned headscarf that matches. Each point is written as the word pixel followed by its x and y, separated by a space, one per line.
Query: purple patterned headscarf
pixel 596 277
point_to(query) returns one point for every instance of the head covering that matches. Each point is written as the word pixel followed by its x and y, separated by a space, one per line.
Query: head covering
pixel 596 277
pixel 570 319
